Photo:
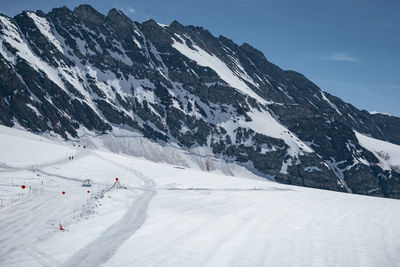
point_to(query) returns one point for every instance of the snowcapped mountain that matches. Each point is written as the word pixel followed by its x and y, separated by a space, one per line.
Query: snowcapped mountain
pixel 80 73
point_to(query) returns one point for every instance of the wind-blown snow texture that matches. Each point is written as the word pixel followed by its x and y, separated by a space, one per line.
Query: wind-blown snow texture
pixel 170 215
pixel 79 73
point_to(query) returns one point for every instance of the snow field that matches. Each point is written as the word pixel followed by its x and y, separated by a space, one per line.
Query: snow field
pixel 387 153
pixel 175 216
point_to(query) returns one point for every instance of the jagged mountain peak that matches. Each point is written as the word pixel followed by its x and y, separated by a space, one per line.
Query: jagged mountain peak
pixel 89 15
pixel 123 24
pixel 151 24
pixel 62 8
pixel 176 25
pixel 61 12
pixel 76 73
pixel 116 14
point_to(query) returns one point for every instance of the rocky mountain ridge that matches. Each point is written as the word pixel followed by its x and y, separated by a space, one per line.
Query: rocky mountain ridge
pixel 67 71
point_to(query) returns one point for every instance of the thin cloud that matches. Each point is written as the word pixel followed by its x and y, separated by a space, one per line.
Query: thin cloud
pixel 381 24
pixel 339 57
pixel 130 10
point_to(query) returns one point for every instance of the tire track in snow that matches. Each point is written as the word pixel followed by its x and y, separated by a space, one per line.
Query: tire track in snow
pixel 41 257
pixel 14 233
pixel 104 247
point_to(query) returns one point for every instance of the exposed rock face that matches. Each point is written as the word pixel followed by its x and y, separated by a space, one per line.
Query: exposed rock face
pixel 69 70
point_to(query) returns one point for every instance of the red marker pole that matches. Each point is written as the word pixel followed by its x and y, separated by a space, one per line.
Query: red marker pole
pixel 87 200
pixel 23 187
pixel 59 221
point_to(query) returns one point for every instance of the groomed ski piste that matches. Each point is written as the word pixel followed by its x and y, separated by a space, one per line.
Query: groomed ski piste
pixel 175 215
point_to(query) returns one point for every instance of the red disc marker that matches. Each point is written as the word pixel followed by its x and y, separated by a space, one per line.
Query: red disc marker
pixel 116 179
pixel 23 187
pixel 88 191
pixel 63 192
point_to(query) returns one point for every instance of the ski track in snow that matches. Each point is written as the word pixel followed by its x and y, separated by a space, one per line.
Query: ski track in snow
pixel 104 247
pixel 17 232
pixel 41 257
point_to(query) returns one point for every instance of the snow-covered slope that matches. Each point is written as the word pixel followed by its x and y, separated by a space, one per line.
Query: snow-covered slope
pixel 170 215
pixel 203 58
pixel 387 153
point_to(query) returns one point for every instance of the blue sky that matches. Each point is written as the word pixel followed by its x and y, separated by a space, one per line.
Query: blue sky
pixel 348 48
